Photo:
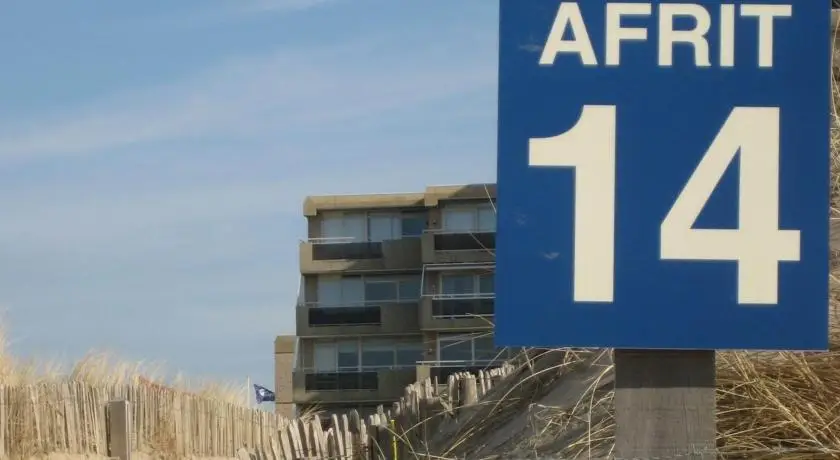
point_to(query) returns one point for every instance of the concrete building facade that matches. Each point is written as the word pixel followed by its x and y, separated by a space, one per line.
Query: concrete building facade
pixel 394 288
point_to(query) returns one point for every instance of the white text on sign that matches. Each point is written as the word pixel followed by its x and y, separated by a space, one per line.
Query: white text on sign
pixel 757 245
pixel 569 22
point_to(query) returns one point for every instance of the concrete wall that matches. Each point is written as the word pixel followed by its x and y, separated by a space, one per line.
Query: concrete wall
pixel 284 352
pixel 399 255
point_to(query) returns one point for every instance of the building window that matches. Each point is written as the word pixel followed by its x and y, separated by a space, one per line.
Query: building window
pixel 355 291
pixel 459 284
pixel 459 220
pixel 467 349
pixel 359 355
pixel 466 284
pixel 469 219
pixel 486 219
pixel 340 292
pixel 486 284
pixel 413 224
pixel 381 290
pixel 372 226
pixel 409 289
pixel 344 226
pixel 324 355
pixel 408 354
pixel 378 354
pixel 383 227
pixel 347 355
pixel 392 289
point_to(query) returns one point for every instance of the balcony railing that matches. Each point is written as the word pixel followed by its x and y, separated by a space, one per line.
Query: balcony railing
pixel 463 305
pixel 454 240
pixel 345 248
pixel 361 314
pixel 342 381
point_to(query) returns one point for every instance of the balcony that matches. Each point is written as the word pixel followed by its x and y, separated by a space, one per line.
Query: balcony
pixel 441 246
pixel 365 385
pixel 341 381
pixel 314 320
pixel 348 250
pixel 326 255
pixel 453 312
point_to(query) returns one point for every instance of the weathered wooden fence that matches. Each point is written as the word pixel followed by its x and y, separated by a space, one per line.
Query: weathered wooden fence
pixel 75 418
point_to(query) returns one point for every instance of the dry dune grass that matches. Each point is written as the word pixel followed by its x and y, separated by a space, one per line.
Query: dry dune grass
pixel 106 369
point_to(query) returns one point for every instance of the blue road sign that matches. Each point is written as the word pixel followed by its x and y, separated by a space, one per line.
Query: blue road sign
pixel 663 174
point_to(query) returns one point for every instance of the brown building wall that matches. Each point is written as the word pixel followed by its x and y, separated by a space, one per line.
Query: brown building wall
pixel 284 350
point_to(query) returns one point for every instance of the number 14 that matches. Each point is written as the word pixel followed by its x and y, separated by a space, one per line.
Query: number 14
pixel 757 245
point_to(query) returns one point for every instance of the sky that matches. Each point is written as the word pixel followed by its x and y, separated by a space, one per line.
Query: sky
pixel 154 158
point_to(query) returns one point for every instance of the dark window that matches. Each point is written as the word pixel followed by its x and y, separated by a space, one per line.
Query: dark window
pixel 348 355
pixel 413 225
pixel 342 381
pixel 456 349
pixel 381 291
pixel 408 356
pixel 377 355
pixel 336 316
pixel 486 284
pixel 410 289
pixel 465 241
pixel 350 251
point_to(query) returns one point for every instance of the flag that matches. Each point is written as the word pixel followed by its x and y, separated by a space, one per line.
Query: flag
pixel 263 394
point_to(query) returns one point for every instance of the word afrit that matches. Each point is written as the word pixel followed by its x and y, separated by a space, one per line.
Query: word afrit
pixel 569 17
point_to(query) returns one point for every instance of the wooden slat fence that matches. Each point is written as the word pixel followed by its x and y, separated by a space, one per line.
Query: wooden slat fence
pixel 72 418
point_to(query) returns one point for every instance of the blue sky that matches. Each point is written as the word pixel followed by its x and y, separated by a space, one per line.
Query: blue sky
pixel 154 157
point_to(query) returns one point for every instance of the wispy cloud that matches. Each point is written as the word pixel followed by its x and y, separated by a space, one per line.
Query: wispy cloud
pixel 257 6
pixel 281 91
pixel 215 13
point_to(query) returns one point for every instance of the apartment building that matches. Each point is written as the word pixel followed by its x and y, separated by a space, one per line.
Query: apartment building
pixel 394 288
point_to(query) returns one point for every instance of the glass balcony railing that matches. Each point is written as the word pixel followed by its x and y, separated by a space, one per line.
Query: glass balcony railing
pixel 463 306
pixel 341 381
pixel 345 249
pixel 461 240
pixel 343 315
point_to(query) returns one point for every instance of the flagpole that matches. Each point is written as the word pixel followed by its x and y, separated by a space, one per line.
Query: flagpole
pixel 248 393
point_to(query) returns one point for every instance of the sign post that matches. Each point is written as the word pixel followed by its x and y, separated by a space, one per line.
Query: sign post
pixel 663 187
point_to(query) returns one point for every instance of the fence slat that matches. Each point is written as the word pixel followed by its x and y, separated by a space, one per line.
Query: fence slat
pixel 70 417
